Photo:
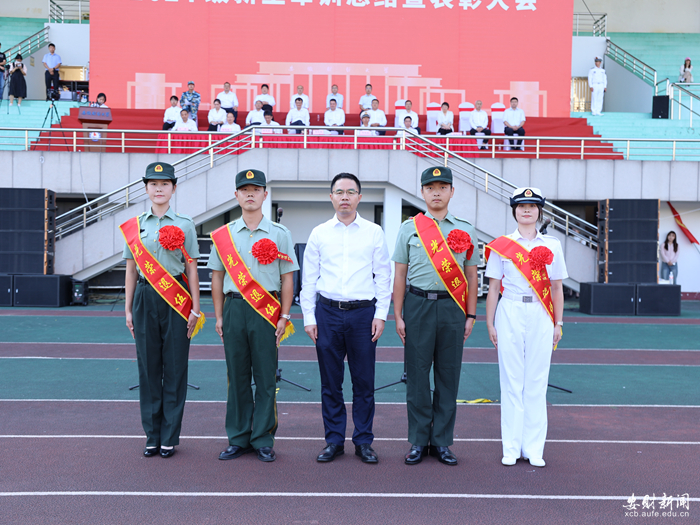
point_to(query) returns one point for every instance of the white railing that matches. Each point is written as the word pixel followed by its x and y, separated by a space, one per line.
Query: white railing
pixel 221 150
pixel 681 97
pixel 61 11
pixel 590 24
pixel 55 13
pixel 631 63
pixel 29 45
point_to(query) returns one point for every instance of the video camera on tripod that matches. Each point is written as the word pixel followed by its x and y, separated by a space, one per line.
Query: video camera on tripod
pixel 52 95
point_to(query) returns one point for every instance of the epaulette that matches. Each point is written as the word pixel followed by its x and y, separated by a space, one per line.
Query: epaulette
pixel 280 226
pixel 183 216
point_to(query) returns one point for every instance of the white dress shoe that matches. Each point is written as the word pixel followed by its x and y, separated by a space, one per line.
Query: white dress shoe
pixel 508 461
pixel 537 462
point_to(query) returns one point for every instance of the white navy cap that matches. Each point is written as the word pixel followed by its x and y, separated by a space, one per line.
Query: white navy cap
pixel 527 196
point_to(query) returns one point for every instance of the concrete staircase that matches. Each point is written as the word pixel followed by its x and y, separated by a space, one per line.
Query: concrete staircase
pixel 14 30
pixel 30 115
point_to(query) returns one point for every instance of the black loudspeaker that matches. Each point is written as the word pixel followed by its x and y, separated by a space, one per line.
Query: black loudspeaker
pixel 629 209
pixel 203 273
pixel 632 230
pixel 658 299
pixel 659 106
pixel 26 241
pixel 27 198
pixel 632 251
pixel 26 219
pixel 299 252
pixel 630 272
pixel 6 290
pixel 26 262
pixel 42 290
pixel 607 299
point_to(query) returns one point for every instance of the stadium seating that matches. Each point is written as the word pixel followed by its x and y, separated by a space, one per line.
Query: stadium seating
pixel 14 30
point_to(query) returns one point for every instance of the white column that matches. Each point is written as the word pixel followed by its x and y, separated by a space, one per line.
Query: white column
pixel 391 218
pixel 267 205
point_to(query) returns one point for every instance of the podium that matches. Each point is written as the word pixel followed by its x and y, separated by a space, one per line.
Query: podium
pixel 95 119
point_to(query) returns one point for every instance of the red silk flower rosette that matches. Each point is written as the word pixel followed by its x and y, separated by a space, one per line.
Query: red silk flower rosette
pixel 265 251
pixel 540 256
pixel 173 238
pixel 459 241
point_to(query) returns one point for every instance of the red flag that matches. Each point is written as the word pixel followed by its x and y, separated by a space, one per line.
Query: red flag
pixel 682 226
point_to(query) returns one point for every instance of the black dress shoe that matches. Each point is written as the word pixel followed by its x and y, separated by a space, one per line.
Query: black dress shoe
pixel 234 451
pixel 150 452
pixel 167 453
pixel 444 455
pixel 266 454
pixel 415 455
pixel 366 453
pixel 330 452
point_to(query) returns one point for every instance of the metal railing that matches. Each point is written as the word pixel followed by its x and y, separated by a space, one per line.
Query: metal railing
pixel 29 45
pixel 631 63
pixel 681 96
pixel 61 11
pixel 221 150
pixel 56 14
pixel 590 24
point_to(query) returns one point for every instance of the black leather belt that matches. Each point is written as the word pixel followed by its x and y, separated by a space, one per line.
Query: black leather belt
pixel 433 296
pixel 347 305
pixel 142 280
pixel 236 295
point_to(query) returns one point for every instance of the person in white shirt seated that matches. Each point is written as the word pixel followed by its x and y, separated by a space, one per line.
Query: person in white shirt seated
pixel 270 123
pixel 377 118
pixel 256 116
pixel 172 114
pixel 445 120
pixel 299 94
pixel 216 116
pixel 268 101
pixel 298 116
pixel 185 123
pixel 337 96
pixel 230 126
pixel 366 99
pixel 513 120
pixel 407 127
pixel 365 124
pixel 479 122
pixel 334 117
pixel 412 114
pixel 229 101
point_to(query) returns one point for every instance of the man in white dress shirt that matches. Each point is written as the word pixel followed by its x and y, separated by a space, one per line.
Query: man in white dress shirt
pixel 598 82
pixel 337 96
pixel 299 94
pixel 230 126
pixel 407 127
pixel 172 114
pixel 334 117
pixel 479 122
pixel 256 116
pixel 298 116
pixel 268 100
pixel 216 116
pixel 377 118
pixel 269 123
pixel 412 114
pixel 346 262
pixel 52 63
pixel 366 99
pixel 229 100
pixel 513 120
pixel 185 123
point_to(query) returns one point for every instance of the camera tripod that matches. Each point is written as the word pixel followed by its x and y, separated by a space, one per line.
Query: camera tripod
pixel 51 114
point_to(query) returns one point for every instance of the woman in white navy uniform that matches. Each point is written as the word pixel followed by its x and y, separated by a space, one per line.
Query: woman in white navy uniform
pixel 521 328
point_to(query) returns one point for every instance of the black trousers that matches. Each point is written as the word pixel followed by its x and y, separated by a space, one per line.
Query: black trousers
pixel 213 127
pixel 231 110
pixel 49 78
pixel 168 126
pixel 380 132
pixel 485 131
pixel 443 131
pixel 520 132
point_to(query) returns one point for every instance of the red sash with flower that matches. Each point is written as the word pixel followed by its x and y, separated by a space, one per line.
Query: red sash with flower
pixel 440 254
pixel 531 264
pixel 265 251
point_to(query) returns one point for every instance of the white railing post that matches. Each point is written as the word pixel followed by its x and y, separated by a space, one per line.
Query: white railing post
pixel 305 135
pixel 169 138
pixel 583 142
pixel 673 157
pixel 537 154
pixel 123 141
pixel 628 150
pixel 75 141
pixel 26 140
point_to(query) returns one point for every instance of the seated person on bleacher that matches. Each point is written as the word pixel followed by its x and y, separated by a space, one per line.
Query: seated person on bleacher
pixel 298 116
pixel 185 123
pixel 337 96
pixel 445 120
pixel 377 118
pixel 407 127
pixel 479 122
pixel 366 99
pixel 412 114
pixel 299 94
pixel 334 117
pixel 256 116
pixel 271 123
pixel 268 101
pixel 513 120
pixel 172 114
pixel 230 126
pixel 229 100
pixel 365 124
pixel 190 100
pixel 216 116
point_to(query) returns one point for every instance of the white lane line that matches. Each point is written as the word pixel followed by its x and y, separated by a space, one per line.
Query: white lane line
pixel 393 495
pixel 320 439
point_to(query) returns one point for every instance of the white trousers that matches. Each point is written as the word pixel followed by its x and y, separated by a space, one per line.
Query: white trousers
pixel 597 99
pixel 525 334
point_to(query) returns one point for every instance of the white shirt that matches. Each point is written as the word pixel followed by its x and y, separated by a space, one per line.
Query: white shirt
pixel 597 76
pixel 479 119
pixel 511 278
pixel 172 114
pixel 376 116
pixel 266 99
pixel 447 118
pixel 230 128
pixel 366 130
pixel 414 118
pixel 216 116
pixel 366 101
pixel 228 100
pixel 298 114
pixel 407 131
pixel 255 116
pixel 52 61
pixel 185 126
pixel 334 118
pixel 271 125
pixel 304 101
pixel 338 98
pixel 514 117
pixel 346 263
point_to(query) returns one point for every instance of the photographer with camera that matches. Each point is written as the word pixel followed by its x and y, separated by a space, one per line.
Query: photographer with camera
pixel 18 86
pixel 52 62
pixel 3 69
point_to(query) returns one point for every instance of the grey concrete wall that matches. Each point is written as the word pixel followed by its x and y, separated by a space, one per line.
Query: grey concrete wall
pixel 646 16
pixel 626 91
pixel 584 49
